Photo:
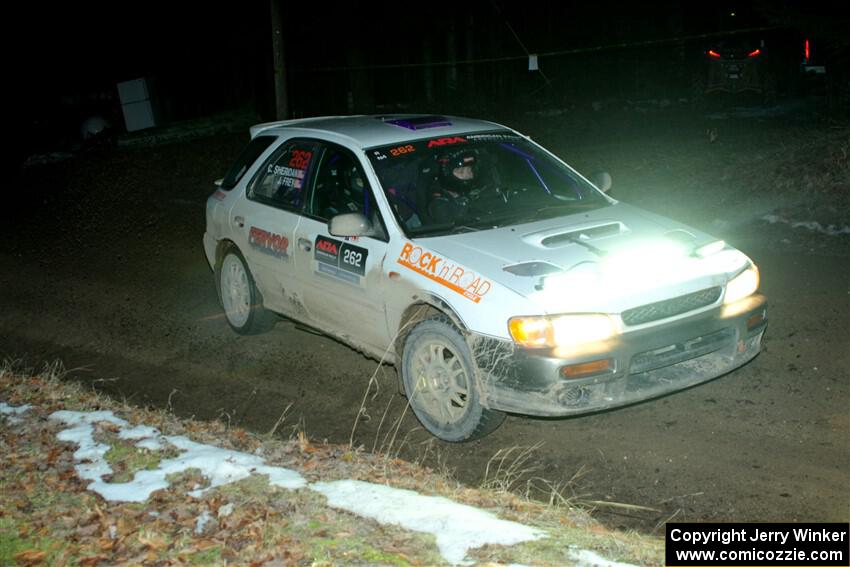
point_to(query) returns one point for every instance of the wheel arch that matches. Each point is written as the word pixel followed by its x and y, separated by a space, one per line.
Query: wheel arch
pixel 423 308
pixel 262 319
pixel 222 246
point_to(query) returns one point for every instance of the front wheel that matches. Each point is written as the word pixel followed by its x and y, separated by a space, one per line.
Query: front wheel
pixel 439 378
pixel 240 299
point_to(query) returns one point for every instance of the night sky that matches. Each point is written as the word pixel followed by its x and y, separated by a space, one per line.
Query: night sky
pixel 207 58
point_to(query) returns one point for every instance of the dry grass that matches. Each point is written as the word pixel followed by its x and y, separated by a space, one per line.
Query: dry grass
pixel 48 517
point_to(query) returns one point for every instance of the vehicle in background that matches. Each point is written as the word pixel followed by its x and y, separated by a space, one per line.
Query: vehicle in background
pixel 735 66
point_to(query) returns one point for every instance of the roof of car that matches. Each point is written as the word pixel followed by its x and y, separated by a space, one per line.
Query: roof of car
pixel 377 130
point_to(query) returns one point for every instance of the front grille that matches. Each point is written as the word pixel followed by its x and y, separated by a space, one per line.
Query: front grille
pixel 670 307
pixel 682 351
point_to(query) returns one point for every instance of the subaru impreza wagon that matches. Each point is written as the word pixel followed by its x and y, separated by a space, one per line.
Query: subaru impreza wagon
pixel 493 275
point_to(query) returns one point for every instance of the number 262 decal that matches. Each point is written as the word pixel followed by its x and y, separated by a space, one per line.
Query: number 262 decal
pixel 342 255
pixel 300 159
pixel 401 150
pixel 353 258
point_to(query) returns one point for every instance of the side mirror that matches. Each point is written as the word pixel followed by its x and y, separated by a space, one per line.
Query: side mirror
pixel 219 182
pixel 350 224
pixel 602 180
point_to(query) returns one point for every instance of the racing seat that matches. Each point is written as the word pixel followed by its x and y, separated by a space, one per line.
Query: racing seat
pixel 407 192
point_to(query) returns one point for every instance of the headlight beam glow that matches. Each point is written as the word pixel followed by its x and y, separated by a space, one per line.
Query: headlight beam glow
pixel 743 285
pixel 561 330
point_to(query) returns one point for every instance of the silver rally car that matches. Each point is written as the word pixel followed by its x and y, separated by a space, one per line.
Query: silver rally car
pixel 493 275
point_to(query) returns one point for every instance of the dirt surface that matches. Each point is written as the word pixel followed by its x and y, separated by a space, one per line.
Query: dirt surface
pixel 102 266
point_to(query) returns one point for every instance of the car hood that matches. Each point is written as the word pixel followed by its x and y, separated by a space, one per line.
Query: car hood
pixel 607 260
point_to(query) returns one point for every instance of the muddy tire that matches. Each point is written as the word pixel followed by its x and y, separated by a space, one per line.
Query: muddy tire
pixel 239 297
pixel 439 379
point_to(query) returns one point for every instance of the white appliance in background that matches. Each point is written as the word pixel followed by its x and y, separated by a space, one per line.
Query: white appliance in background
pixel 136 104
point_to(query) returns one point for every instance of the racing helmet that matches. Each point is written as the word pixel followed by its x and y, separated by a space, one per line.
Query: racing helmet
pixel 459 170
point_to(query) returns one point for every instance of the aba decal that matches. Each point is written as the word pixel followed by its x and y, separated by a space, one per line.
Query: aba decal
pixel 341 260
pixel 446 141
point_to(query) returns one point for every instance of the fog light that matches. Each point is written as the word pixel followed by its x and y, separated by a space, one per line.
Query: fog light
pixel 574 397
pixel 587 368
pixel 755 321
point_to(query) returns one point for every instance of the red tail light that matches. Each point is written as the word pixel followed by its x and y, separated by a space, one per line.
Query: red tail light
pixel 713 53
pixel 755 53
pixel 807 51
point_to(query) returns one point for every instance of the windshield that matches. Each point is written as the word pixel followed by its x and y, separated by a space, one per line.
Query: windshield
pixel 477 181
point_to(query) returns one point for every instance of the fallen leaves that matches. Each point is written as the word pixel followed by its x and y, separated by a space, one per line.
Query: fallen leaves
pixel 57 521
pixel 155 542
pixel 30 557
pixel 304 443
pixel 92 560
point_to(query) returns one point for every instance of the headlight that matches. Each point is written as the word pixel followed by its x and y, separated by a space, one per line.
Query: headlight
pixel 560 330
pixel 744 284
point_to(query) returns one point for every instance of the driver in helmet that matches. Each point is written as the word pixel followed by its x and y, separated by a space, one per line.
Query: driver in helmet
pixel 457 184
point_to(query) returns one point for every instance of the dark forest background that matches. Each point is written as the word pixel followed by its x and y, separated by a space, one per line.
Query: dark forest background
pixel 200 59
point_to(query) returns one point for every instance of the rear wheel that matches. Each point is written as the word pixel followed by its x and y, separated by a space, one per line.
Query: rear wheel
pixel 439 378
pixel 240 299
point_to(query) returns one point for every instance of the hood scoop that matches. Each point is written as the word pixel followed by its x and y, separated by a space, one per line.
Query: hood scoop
pixel 559 239
pixel 532 269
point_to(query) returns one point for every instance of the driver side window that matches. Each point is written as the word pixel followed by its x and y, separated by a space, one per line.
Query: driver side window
pixel 341 187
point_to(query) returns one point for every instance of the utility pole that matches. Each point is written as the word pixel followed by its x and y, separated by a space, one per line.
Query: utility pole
pixel 280 96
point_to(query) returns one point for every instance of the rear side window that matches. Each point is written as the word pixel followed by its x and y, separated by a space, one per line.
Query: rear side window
pixel 284 178
pixel 248 156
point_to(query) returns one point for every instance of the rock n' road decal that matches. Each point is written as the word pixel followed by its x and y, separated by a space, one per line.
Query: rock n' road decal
pixel 457 278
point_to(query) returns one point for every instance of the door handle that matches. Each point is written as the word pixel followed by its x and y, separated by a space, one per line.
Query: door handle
pixel 305 244
pixel 239 221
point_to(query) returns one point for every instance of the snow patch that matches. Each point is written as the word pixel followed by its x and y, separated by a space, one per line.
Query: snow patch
pixel 586 558
pixel 814 226
pixel 220 466
pixel 48 158
pixel 457 527
pixel 89 454
pixel 138 432
pixel 223 466
pixel 202 521
pixel 6 409
pixel 12 413
pixel 150 444
pixel 750 112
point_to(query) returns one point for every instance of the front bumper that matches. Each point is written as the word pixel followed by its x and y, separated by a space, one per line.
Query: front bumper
pixel 735 76
pixel 644 364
